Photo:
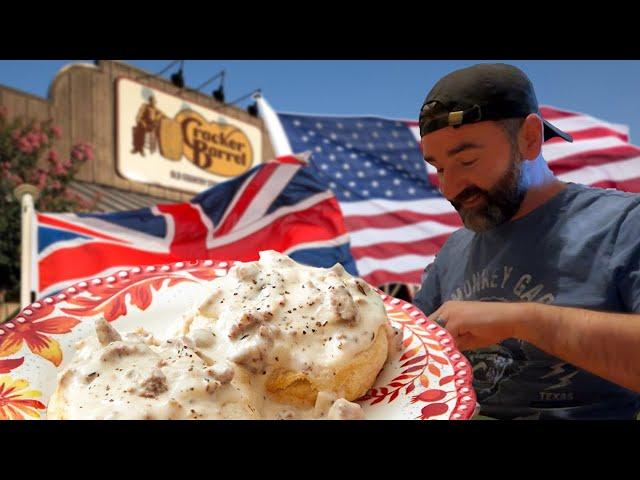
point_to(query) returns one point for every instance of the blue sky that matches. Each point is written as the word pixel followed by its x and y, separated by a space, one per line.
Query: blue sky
pixel 394 88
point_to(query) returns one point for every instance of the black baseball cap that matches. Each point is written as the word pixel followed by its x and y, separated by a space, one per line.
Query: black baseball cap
pixel 482 92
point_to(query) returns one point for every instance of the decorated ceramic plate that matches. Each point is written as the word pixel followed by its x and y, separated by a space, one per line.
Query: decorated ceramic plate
pixel 428 380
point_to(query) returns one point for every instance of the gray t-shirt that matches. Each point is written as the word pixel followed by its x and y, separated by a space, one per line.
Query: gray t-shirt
pixel 579 249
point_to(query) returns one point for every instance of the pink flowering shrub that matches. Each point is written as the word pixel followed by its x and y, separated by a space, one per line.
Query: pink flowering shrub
pixel 27 156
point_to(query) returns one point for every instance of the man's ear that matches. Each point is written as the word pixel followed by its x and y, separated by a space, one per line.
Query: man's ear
pixel 530 137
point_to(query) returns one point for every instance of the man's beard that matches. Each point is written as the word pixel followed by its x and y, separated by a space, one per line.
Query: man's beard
pixel 499 204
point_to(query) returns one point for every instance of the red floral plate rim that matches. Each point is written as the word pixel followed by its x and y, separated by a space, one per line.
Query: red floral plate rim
pixel 428 349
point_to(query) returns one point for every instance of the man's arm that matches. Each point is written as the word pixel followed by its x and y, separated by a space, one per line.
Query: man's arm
pixel 606 344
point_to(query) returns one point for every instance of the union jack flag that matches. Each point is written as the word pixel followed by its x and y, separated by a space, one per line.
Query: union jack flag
pixel 277 205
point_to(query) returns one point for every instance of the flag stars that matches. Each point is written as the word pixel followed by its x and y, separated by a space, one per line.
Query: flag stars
pixel 371 158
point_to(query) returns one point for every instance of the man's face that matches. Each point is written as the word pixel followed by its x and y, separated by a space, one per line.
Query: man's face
pixel 479 172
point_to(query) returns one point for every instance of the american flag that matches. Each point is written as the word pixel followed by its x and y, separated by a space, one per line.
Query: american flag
pixel 393 210
pixel 274 206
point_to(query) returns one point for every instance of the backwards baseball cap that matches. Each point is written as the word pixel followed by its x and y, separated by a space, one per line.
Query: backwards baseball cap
pixel 482 92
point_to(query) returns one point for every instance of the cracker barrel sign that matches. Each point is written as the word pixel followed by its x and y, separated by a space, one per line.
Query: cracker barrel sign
pixel 164 140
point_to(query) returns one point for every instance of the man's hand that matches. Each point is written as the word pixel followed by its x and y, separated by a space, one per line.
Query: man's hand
pixel 480 324
pixel 603 343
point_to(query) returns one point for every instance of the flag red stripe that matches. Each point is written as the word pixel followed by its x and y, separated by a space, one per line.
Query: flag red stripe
pixel 290 159
pixel 631 185
pixel 190 233
pixel 55 222
pixel 249 193
pixel 549 113
pixel 323 221
pixel 593 158
pixel 381 277
pixel 400 218
pixel 590 134
pixel 424 246
pixel 92 258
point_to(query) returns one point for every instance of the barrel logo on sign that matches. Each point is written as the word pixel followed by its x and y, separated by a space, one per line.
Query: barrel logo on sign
pixel 217 148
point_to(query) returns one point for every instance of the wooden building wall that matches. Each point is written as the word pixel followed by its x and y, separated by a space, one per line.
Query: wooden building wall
pixel 81 100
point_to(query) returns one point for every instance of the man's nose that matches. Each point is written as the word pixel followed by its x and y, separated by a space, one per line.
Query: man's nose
pixel 451 185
